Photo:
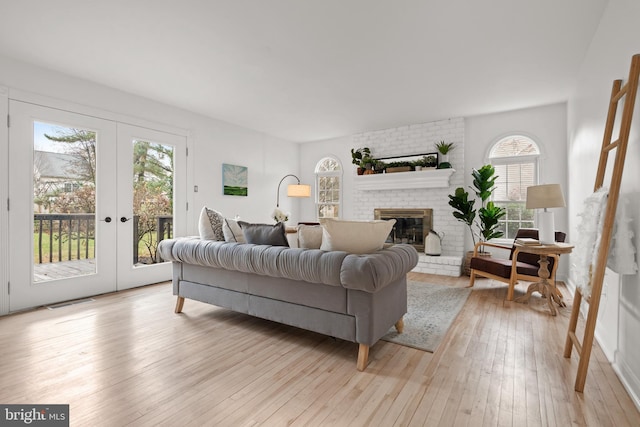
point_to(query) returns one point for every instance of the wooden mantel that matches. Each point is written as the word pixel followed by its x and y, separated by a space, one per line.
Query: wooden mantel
pixel 433 178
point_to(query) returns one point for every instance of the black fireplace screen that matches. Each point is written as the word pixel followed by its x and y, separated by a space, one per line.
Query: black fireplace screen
pixel 411 227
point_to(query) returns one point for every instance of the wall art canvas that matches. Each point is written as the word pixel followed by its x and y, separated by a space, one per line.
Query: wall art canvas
pixel 235 180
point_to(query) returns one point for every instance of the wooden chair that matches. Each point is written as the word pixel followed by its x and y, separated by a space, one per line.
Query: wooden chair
pixel 511 270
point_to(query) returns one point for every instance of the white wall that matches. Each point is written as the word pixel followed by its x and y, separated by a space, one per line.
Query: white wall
pixel 608 59
pixel 547 126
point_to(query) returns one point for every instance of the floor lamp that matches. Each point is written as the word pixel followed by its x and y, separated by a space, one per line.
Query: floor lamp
pixel 543 197
pixel 293 190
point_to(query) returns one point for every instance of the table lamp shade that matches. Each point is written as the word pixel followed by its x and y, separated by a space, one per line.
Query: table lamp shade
pixel 299 190
pixel 543 197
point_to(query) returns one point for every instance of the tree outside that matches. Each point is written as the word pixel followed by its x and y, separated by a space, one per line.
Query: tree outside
pixel 152 182
pixel 152 195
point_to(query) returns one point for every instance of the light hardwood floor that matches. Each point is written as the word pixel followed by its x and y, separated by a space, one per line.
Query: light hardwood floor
pixel 127 359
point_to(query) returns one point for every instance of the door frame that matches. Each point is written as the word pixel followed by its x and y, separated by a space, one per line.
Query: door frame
pixel 4 201
pixel 8 93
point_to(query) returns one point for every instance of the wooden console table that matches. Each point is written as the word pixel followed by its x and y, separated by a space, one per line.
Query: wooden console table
pixel 548 290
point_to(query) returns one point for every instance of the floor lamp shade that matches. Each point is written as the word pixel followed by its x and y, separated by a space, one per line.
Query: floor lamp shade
pixel 299 190
pixel 293 190
pixel 543 197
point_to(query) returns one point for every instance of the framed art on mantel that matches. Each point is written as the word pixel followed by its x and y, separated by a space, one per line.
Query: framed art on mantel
pixel 235 180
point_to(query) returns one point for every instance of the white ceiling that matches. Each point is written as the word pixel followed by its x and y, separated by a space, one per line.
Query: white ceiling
pixel 305 70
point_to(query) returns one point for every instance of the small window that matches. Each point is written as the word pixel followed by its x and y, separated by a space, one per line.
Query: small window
pixel 515 159
pixel 71 186
pixel 328 188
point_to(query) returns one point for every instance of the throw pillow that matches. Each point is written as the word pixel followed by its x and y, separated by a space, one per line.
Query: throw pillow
pixel 232 231
pixel 210 224
pixel 264 234
pixel 309 236
pixel 357 237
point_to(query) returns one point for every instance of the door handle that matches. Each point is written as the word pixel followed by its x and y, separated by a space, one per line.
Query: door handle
pixel 107 219
pixel 124 219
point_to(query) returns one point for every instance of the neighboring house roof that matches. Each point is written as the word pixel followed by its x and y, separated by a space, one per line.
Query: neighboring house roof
pixel 56 165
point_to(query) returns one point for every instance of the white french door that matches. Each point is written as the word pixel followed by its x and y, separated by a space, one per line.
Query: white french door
pixel 39 167
pixel 76 195
pixel 152 199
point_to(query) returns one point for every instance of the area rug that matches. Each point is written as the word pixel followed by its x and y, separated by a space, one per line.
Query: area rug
pixel 431 309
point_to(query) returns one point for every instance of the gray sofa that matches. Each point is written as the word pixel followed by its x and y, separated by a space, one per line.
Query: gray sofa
pixel 353 297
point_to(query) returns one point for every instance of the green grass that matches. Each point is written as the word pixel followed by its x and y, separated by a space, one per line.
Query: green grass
pixel 65 249
pixel 142 248
pixel 235 191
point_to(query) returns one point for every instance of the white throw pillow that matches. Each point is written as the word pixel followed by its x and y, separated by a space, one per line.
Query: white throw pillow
pixel 210 224
pixel 232 231
pixel 309 236
pixel 357 237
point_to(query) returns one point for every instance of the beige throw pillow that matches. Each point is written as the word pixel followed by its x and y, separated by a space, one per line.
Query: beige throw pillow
pixel 232 231
pixel 357 237
pixel 210 224
pixel 309 236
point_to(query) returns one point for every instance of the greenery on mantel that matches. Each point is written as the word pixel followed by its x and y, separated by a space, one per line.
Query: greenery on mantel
pixel 433 178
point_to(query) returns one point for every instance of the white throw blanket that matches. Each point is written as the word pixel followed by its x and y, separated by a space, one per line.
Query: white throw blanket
pixel 622 253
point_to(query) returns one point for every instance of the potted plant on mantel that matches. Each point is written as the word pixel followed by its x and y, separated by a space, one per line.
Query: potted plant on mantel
pixel 444 148
pixel 486 227
pixel 359 156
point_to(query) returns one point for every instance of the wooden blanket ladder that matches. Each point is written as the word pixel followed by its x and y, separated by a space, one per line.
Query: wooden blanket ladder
pixel 628 92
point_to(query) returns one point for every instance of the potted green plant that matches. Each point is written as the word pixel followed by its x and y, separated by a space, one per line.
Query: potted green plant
pixel 357 157
pixel 483 222
pixel 429 161
pixel 379 165
pixel 398 167
pixel 367 163
pixel 444 148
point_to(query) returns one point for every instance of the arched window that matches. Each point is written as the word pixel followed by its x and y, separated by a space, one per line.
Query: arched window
pixel 515 159
pixel 328 188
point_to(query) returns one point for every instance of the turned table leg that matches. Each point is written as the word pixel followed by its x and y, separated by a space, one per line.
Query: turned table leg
pixel 548 290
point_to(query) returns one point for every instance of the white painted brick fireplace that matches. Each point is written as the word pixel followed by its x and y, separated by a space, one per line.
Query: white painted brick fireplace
pixel 415 139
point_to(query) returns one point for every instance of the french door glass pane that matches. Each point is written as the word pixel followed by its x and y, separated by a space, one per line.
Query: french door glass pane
pixel 153 172
pixel 64 200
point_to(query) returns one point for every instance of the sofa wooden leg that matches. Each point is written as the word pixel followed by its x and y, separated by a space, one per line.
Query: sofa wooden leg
pixel 179 304
pixel 400 325
pixel 363 357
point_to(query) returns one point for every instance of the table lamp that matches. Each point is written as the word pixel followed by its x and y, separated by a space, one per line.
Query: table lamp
pixel 543 197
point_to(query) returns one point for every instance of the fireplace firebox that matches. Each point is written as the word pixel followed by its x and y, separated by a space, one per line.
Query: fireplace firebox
pixel 411 227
